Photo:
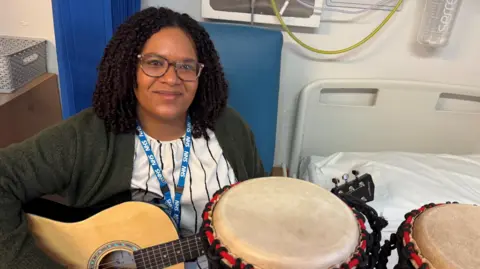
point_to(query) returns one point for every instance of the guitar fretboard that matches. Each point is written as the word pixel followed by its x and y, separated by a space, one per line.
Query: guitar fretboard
pixel 168 254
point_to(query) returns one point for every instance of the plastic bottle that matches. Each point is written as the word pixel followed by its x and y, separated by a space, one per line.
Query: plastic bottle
pixel 438 21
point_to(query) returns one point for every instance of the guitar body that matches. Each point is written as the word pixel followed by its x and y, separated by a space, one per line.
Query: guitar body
pixel 106 239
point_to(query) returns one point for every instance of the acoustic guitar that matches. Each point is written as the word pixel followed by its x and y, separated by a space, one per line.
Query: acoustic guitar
pixel 115 234
pixel 120 233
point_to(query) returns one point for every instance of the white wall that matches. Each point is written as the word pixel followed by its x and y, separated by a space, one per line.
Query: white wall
pixel 30 18
pixel 391 54
pixel 192 7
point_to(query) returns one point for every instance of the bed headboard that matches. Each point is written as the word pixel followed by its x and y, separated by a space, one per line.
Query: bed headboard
pixel 366 115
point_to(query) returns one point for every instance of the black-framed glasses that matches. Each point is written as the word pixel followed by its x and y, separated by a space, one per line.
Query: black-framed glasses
pixel 156 66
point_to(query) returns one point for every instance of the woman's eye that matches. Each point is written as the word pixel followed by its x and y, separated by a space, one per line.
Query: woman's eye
pixel 187 67
pixel 155 63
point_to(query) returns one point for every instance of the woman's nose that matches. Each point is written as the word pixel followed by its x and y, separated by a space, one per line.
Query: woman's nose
pixel 170 76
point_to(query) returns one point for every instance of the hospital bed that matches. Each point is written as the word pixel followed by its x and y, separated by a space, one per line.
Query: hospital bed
pixel 419 141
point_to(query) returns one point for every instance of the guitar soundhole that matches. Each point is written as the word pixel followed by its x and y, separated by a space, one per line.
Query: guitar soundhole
pixel 113 255
pixel 119 259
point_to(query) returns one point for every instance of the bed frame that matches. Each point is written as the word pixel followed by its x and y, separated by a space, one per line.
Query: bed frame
pixel 365 115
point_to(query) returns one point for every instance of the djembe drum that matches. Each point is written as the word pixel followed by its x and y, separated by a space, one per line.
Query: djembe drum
pixel 437 236
pixel 284 223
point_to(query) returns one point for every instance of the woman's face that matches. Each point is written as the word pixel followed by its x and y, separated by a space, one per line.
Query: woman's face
pixel 163 91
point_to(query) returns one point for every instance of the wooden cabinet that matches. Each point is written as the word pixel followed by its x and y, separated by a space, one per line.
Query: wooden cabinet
pixel 29 110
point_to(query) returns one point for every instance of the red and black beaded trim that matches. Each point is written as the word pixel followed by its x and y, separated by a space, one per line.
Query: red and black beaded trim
pixel 217 252
pixel 410 249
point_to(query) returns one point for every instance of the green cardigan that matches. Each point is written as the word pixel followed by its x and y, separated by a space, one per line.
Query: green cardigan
pixel 86 164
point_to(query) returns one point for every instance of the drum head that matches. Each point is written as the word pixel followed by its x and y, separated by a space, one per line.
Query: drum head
pixel 448 236
pixel 285 223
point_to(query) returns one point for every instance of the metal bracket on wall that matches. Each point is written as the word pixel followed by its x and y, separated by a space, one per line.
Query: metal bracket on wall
pixel 364 4
pixel 260 11
pixel 261 7
pixel 252 12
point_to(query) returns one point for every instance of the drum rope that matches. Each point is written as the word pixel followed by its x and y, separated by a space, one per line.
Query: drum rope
pixel 376 224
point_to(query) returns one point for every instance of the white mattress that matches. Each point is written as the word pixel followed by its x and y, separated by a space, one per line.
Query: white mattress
pixel 403 181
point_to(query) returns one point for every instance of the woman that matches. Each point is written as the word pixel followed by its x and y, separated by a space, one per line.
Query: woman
pixel 161 96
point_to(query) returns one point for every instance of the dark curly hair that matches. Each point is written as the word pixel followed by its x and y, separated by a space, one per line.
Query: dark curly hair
pixel 114 99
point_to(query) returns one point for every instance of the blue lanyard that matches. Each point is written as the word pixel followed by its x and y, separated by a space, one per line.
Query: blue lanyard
pixel 175 213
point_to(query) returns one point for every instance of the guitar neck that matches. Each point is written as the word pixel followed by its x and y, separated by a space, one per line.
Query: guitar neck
pixel 171 253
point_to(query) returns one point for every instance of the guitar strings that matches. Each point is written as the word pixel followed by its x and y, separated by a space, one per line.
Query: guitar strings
pixel 117 267
pixel 149 255
pixel 151 260
pixel 108 263
pixel 167 250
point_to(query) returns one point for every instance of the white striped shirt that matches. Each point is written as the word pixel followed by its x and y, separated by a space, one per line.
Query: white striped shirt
pixel 208 170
